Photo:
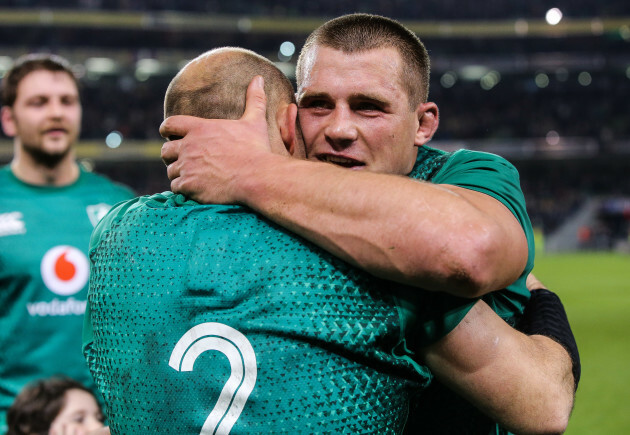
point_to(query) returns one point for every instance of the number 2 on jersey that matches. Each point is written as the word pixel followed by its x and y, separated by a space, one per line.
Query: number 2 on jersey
pixel 239 352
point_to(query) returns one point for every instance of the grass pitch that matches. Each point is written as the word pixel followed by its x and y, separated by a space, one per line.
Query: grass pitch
pixel 595 290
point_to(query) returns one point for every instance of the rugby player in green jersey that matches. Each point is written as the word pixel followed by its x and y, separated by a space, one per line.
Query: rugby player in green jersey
pixel 211 319
pixel 363 106
pixel 48 208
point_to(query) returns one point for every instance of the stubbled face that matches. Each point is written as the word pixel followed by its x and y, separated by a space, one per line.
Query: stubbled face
pixel 79 415
pixel 46 115
pixel 354 112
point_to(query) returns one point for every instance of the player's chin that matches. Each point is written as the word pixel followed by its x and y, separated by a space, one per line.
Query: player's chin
pixel 51 153
pixel 57 144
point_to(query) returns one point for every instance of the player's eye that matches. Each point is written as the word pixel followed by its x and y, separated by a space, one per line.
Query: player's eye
pixel 316 104
pixel 368 106
pixel 37 102
pixel 69 100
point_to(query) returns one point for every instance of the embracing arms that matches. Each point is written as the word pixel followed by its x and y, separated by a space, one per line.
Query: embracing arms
pixel 438 237
pixel 525 383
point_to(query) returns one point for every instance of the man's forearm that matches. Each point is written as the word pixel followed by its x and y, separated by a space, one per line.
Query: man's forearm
pixel 524 383
pixel 545 315
pixel 437 237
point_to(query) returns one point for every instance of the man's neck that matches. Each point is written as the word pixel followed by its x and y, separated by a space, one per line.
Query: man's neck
pixel 27 170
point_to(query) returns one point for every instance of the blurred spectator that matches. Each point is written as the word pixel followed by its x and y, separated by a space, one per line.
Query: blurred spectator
pixel 50 205
pixel 54 406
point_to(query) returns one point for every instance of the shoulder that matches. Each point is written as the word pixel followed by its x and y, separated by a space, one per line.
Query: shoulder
pixel 467 160
pixel 8 181
pixel 123 208
pixel 437 165
pixel 485 172
pixel 114 215
pixel 157 210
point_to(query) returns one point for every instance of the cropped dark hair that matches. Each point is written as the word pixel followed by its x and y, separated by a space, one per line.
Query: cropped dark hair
pixel 25 65
pixel 357 33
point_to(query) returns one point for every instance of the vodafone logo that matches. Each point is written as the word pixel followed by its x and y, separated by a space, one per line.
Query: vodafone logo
pixel 65 270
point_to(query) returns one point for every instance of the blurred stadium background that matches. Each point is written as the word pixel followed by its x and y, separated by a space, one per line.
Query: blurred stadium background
pixel 544 84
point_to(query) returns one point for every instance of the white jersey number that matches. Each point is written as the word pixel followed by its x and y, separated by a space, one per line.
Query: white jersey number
pixel 239 352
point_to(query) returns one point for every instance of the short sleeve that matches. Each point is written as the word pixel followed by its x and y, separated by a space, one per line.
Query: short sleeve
pixel 428 316
pixel 493 175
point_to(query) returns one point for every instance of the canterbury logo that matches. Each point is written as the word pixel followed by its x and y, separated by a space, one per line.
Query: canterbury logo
pixel 96 212
pixel 11 223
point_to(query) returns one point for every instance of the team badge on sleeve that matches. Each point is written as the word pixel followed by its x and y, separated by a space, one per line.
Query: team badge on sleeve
pixel 96 212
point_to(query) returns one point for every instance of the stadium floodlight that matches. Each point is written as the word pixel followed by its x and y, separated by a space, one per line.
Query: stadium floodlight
pixel 287 50
pixel 473 72
pixel 5 64
pixel 490 80
pixel 584 78
pixel 553 16
pixel 542 80
pixel 100 65
pixel 114 139
pixel 552 138
pixel 146 68
pixel 448 79
pixel 244 25
pixel 521 27
pixel 597 26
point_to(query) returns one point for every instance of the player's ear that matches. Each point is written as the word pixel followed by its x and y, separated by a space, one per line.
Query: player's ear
pixel 8 122
pixel 428 121
pixel 286 118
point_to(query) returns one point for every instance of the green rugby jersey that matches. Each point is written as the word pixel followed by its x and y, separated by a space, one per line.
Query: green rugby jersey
pixel 438 410
pixel 206 316
pixel 147 308
pixel 44 237
pixel 493 175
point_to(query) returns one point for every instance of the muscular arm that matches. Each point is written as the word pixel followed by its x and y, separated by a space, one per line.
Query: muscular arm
pixel 437 237
pixel 523 382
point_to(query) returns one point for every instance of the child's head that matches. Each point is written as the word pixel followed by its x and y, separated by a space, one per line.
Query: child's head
pixel 55 406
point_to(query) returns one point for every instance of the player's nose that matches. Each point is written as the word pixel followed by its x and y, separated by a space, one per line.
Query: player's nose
pixel 341 130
